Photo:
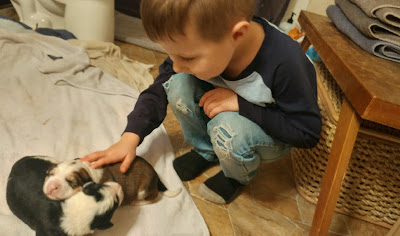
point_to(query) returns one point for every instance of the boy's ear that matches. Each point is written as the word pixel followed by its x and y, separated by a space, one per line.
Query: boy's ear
pixel 239 30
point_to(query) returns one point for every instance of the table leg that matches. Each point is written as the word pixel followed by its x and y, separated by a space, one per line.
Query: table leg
pixel 342 146
pixel 305 44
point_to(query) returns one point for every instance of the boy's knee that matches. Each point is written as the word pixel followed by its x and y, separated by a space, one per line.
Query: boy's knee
pixel 226 121
pixel 179 83
pixel 179 88
pixel 222 137
pixel 223 131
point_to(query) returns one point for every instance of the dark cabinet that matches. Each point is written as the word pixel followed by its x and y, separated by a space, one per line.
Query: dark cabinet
pixel 128 7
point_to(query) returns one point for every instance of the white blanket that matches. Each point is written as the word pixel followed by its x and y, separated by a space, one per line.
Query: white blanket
pixel 62 107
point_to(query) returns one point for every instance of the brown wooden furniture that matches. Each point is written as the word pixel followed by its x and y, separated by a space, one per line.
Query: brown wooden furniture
pixel 371 86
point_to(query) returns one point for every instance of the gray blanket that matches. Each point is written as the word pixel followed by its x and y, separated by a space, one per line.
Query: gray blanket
pixel 371 27
pixel 54 103
pixel 387 11
pixel 376 47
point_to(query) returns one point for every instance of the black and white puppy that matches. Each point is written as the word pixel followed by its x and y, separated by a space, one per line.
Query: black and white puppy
pixel 87 210
pixel 140 184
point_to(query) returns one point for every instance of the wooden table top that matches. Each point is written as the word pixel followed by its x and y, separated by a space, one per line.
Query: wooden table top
pixel 370 83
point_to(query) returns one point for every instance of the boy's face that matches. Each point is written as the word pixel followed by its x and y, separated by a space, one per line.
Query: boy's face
pixel 193 55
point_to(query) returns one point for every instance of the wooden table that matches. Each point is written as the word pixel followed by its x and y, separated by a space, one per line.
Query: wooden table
pixel 371 86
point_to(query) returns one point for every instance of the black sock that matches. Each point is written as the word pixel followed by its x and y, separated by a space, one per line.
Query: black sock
pixel 190 165
pixel 220 189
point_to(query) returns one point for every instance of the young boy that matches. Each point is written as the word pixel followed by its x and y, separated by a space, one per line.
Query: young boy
pixel 242 91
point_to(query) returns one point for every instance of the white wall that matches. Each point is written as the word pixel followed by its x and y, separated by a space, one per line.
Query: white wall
pixel 319 6
pixel 295 6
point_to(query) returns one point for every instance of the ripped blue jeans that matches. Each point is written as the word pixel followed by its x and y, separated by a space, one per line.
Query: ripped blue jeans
pixel 238 143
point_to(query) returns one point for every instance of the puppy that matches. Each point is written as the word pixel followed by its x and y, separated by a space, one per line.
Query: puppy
pixel 140 184
pixel 87 210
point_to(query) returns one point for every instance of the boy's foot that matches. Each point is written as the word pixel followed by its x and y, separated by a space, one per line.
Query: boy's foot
pixel 190 165
pixel 220 189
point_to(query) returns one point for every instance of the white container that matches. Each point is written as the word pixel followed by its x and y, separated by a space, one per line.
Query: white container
pixel 90 19
pixel 86 19
pixel 286 26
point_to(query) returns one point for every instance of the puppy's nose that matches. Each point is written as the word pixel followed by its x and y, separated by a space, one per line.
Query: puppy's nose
pixel 52 188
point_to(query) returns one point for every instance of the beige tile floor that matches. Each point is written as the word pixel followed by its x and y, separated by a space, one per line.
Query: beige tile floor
pixel 270 205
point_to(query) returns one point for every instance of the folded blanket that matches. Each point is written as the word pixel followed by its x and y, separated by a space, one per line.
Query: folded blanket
pixel 387 11
pixel 389 15
pixel 370 27
pixel 378 48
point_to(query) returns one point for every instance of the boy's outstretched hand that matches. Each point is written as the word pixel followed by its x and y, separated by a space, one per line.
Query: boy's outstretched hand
pixel 218 100
pixel 124 150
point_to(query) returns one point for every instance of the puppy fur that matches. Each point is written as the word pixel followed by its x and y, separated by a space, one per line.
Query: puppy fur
pixel 141 184
pixel 97 202
pixel 91 208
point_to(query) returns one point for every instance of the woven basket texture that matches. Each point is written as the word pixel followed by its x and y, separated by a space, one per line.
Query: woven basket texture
pixel 371 187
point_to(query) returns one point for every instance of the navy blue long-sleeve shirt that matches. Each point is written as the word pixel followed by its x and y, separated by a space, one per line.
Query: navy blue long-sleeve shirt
pixel 277 91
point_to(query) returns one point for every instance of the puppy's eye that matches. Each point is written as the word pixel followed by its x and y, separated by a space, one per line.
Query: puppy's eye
pixel 73 183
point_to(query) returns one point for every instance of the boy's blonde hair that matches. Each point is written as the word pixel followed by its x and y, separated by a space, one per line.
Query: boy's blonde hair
pixel 165 19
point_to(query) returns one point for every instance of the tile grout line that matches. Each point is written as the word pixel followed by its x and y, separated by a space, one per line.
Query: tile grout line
pixel 347 226
pixel 230 220
pixel 298 208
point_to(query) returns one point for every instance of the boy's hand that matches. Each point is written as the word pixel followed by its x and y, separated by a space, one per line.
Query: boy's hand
pixel 218 100
pixel 124 150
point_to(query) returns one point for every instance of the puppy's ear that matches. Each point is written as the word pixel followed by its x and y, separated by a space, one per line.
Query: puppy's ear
pixel 103 221
pixel 103 225
pixel 92 189
pixel 51 167
pixel 80 176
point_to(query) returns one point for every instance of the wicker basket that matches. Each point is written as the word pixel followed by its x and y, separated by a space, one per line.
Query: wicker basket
pixel 371 186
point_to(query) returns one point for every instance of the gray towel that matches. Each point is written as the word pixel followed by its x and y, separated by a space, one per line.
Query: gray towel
pixel 387 11
pixel 371 27
pixel 376 47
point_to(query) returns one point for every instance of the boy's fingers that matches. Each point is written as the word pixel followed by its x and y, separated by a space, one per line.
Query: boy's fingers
pixel 203 99
pixel 95 165
pixel 126 163
pixel 215 111
pixel 100 162
pixel 92 156
pixel 201 102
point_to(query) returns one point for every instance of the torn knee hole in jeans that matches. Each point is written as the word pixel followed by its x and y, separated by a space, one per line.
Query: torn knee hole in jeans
pixel 223 140
pixel 182 107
